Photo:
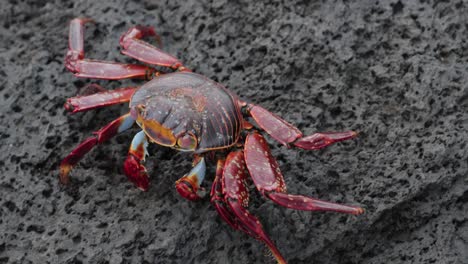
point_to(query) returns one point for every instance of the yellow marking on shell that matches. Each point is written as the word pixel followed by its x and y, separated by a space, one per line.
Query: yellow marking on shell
pixel 219 148
pixel 157 132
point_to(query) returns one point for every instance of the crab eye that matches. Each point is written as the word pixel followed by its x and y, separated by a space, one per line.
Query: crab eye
pixel 141 109
pixel 187 141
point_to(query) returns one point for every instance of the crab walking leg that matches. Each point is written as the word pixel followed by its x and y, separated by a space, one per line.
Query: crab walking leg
pixel 287 134
pixel 218 201
pixel 133 46
pixel 236 196
pixel 238 218
pixel 101 99
pixel 269 181
pixel 81 67
pixel 217 198
pixel 189 185
pixel 113 128
pixel 133 165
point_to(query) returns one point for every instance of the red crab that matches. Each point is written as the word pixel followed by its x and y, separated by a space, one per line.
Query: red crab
pixel 189 112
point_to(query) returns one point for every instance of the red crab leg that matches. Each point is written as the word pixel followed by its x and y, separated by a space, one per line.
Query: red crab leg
pixel 101 99
pixel 217 198
pixel 133 46
pixel 269 181
pixel 236 196
pixel 218 201
pixel 133 165
pixel 286 133
pixel 189 185
pixel 81 67
pixel 118 125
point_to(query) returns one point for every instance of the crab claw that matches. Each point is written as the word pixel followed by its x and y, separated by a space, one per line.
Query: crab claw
pixel 189 185
pixel 136 172
pixel 187 189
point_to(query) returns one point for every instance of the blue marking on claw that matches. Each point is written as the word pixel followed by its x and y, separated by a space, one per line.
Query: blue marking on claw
pixel 138 139
pixel 199 171
pixel 127 123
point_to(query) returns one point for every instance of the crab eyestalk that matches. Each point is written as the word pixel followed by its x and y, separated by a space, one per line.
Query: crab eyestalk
pixel 189 185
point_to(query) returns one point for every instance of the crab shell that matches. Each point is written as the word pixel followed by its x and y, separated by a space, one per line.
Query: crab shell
pixel 187 111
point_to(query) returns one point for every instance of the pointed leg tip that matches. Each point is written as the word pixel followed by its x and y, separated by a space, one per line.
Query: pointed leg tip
pixel 151 31
pixel 341 136
pixel 359 211
pixel 64 171
pixel 279 258
pixel 83 20
pixel 143 188
pixel 69 107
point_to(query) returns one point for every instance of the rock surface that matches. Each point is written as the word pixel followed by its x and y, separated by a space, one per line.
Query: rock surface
pixel 394 70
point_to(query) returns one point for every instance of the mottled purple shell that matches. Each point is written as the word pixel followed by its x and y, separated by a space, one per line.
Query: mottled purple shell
pixel 188 102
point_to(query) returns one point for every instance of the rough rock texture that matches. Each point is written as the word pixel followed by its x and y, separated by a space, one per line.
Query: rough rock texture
pixel 396 71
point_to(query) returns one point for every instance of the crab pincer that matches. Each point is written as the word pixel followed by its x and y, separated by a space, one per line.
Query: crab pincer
pixel 133 165
pixel 189 185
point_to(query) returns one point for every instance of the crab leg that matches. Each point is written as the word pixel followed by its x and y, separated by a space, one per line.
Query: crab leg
pixel 218 201
pixel 101 99
pixel 287 134
pixel 133 165
pixel 118 125
pixel 217 198
pixel 233 207
pixel 269 181
pixel 81 67
pixel 133 46
pixel 189 185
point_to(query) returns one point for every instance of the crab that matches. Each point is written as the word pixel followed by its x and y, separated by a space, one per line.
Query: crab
pixel 188 112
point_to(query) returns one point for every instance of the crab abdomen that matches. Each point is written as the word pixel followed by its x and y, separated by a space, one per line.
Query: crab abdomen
pixel 187 111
